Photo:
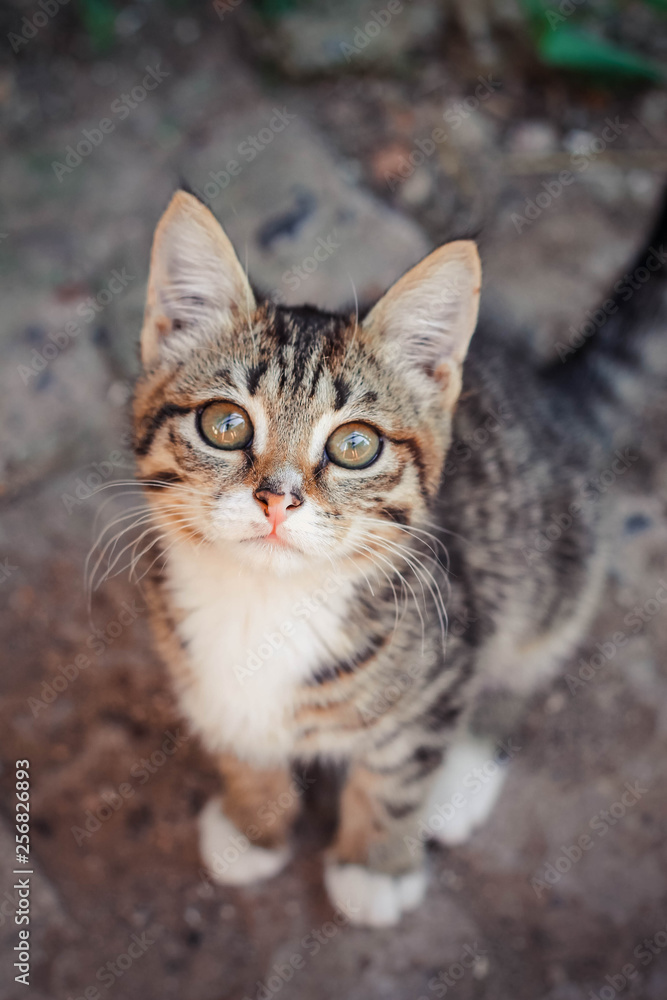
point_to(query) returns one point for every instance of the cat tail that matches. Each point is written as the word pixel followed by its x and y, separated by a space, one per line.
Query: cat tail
pixel 615 360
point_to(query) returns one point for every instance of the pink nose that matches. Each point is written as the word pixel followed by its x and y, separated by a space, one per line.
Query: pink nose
pixel 276 506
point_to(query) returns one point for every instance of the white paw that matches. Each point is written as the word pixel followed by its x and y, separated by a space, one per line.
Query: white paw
pixel 465 791
pixel 372 899
pixel 229 856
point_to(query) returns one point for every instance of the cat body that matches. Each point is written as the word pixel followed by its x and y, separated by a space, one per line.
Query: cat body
pixel 269 654
pixel 401 609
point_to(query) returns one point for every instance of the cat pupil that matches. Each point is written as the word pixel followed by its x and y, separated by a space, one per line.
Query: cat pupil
pixel 231 422
pixel 353 444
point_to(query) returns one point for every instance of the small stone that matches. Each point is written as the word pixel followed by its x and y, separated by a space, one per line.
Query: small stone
pixel 417 189
pixel 388 161
pixel 140 917
pixel 636 523
pixel 470 130
pixel 319 38
pixel 307 229
pixel 578 141
pixel 104 74
pixel 186 30
pixel 129 21
pixel 450 880
pixel 119 393
pixel 557 974
pixel 653 109
pixel 480 967
pixel 643 185
pixel 192 916
pixel 555 703
pixel 533 138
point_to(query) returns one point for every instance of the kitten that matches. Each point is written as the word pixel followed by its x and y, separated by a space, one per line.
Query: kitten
pixel 300 466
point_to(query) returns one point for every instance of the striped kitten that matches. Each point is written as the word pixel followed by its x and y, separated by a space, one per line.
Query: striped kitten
pixel 300 466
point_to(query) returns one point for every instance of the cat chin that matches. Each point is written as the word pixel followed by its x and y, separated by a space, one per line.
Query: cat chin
pixel 279 559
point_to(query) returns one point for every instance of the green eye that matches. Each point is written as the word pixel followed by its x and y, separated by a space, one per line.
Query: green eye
pixel 225 425
pixel 354 446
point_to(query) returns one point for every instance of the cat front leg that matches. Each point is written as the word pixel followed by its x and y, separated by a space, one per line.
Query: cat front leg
pixel 244 834
pixel 375 869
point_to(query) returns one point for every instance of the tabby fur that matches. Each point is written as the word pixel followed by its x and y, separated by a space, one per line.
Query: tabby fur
pixel 419 602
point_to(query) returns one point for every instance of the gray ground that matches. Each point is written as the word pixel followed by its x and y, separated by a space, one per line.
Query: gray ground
pixel 540 926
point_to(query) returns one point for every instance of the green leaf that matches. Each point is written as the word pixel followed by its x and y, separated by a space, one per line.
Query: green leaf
pixel 535 11
pixel 272 10
pixel 573 48
pixel 99 19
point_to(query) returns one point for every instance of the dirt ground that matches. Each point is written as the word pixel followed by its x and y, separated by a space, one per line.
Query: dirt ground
pixel 120 908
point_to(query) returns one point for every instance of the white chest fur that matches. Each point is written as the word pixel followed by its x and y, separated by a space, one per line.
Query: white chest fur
pixel 251 639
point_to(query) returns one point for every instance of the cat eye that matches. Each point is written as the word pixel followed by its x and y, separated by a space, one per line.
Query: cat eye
pixel 225 425
pixel 354 446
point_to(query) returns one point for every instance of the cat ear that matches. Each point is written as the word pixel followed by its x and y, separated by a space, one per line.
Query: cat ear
pixel 427 318
pixel 195 278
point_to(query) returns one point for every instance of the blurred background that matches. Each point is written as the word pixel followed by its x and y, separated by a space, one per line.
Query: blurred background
pixel 337 143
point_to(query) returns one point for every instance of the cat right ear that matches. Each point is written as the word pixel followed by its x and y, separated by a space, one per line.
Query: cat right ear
pixel 196 281
pixel 425 321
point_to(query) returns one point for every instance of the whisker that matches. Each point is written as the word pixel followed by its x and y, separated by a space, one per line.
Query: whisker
pixel 424 575
pixel 397 615
pixel 108 575
pixel 160 483
pixel 406 583
pixel 140 515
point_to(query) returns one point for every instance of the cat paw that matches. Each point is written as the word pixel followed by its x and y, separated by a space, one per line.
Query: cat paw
pixel 465 791
pixel 373 899
pixel 230 857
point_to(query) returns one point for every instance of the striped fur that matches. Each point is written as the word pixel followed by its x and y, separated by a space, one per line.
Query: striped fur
pixel 410 593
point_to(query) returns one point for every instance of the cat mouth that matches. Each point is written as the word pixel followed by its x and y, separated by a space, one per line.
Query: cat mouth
pixel 271 541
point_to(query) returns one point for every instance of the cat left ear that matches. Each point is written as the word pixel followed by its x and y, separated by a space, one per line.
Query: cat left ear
pixel 195 281
pixel 427 318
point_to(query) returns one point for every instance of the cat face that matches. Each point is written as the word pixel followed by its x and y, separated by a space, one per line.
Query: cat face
pixel 292 437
